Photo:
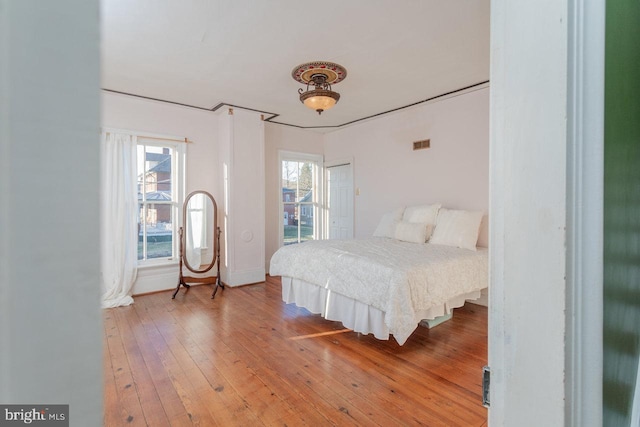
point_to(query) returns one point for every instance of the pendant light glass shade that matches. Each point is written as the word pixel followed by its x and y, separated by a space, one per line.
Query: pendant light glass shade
pixel 319 100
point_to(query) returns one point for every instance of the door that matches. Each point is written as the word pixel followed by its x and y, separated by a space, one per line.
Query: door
pixel 340 206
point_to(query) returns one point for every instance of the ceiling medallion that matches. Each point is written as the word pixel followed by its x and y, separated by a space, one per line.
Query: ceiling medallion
pixel 320 74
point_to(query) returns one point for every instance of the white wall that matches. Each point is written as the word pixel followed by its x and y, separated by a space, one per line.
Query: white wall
pixel 388 173
pixel 201 127
pixel 243 221
pixel 277 138
pixel 50 318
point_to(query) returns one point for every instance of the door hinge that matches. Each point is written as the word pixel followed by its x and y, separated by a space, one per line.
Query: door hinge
pixel 486 382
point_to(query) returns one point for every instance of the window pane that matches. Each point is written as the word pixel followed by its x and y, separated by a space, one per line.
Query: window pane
pixel 305 182
pixel 306 214
pixel 289 174
pixel 157 174
pixel 141 217
pixel 306 223
pixel 290 222
pixel 159 230
pixel 141 170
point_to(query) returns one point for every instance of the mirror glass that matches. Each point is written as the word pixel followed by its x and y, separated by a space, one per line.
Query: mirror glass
pixel 199 228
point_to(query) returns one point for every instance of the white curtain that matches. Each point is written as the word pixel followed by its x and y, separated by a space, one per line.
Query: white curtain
pixel 119 224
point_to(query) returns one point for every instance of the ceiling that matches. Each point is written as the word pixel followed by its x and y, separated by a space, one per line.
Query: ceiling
pixel 209 53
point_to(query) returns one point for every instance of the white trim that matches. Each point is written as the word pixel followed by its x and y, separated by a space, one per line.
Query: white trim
pixel 585 195
pixel 527 213
pixel 142 134
pixel 295 155
pixel 243 277
pixel 497 171
pixel 338 162
pixel 230 249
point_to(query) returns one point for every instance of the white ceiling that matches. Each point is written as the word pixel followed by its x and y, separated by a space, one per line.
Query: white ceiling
pixel 241 52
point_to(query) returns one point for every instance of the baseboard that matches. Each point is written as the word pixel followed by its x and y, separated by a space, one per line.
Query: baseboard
pixel 247 277
pixel 155 279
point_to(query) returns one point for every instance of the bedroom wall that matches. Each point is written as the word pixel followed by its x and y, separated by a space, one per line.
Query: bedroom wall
pixel 201 127
pixel 388 173
pixel 277 138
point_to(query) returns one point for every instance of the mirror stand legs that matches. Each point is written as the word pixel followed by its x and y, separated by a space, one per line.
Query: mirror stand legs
pixel 180 282
pixel 219 284
pixel 216 260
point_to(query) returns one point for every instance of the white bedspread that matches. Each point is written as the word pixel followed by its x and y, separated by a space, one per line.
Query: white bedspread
pixel 399 278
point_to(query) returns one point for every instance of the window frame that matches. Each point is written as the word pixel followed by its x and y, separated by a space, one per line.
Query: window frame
pixel 178 185
pixel 317 190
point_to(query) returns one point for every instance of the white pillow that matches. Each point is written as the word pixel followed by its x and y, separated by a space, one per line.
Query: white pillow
pixel 397 213
pixel 457 228
pixel 425 215
pixel 387 225
pixel 413 232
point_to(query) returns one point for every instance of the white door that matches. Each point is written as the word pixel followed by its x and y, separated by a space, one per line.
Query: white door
pixel 340 209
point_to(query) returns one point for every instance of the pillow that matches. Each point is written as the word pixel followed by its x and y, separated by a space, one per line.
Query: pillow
pixel 413 232
pixel 457 228
pixel 425 215
pixel 397 213
pixel 387 225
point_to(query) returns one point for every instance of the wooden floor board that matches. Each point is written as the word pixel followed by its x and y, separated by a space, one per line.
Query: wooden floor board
pixel 246 358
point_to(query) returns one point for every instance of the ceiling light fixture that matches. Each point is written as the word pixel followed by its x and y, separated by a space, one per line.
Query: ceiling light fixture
pixel 321 75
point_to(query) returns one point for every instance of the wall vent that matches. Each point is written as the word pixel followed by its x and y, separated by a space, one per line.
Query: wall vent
pixel 421 145
pixel 486 385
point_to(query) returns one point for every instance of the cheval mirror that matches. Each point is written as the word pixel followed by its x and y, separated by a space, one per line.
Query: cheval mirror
pixel 199 240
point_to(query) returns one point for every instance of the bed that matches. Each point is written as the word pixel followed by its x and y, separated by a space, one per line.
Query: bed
pixel 387 284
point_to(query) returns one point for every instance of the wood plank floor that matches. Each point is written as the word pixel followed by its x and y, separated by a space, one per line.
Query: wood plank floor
pixel 248 359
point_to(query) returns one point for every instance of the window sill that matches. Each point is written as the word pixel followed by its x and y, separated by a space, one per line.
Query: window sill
pixel 149 265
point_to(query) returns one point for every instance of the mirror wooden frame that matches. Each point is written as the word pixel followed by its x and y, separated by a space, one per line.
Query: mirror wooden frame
pixel 182 281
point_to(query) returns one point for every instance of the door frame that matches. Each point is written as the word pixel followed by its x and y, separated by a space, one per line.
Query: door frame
pixel 576 87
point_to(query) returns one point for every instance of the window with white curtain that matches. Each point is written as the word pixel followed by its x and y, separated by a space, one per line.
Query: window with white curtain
pixel 160 170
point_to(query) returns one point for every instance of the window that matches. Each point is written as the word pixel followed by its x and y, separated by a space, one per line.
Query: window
pixel 301 194
pixel 160 195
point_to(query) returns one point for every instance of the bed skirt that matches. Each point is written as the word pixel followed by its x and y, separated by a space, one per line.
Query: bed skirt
pixel 356 315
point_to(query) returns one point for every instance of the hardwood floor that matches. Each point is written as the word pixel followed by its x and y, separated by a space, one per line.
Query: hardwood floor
pixel 247 359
